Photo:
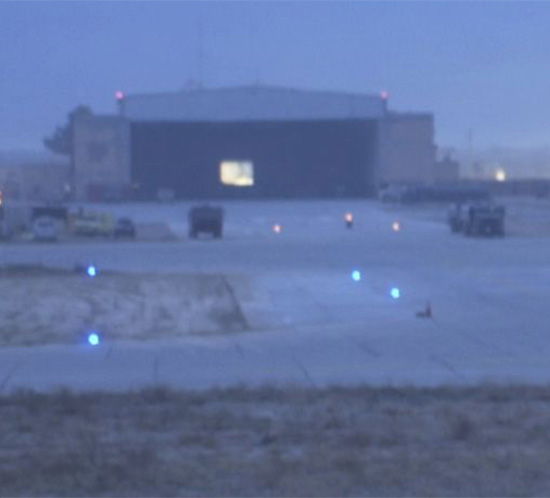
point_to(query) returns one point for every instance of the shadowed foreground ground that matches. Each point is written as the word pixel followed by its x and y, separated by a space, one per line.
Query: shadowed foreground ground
pixel 277 442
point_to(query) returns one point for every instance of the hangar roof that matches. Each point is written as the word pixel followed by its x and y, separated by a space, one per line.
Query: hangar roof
pixel 252 103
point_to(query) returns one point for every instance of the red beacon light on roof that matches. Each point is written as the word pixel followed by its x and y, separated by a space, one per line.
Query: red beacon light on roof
pixel 119 95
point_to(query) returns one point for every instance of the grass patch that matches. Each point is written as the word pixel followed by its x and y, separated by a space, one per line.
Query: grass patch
pixel 484 441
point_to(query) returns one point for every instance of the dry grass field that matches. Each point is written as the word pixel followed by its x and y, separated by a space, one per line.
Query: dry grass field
pixel 485 441
pixel 40 305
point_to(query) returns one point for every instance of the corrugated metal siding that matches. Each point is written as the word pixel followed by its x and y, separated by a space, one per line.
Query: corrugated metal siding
pixel 252 104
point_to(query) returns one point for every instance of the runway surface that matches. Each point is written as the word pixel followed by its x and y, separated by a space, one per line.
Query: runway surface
pixel 309 321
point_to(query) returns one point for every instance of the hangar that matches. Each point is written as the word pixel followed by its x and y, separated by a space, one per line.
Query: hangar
pixel 250 142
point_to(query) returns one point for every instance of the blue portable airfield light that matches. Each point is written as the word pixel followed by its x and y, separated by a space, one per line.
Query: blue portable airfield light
pixel 395 293
pixel 93 339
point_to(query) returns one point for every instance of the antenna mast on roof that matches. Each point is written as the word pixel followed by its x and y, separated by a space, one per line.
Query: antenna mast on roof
pixel 473 168
pixel 256 57
pixel 201 56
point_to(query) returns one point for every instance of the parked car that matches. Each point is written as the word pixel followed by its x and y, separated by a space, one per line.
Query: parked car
pixel 125 228
pixel 391 193
pixel 44 229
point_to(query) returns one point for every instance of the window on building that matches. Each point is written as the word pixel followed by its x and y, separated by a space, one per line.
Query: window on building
pixel 237 173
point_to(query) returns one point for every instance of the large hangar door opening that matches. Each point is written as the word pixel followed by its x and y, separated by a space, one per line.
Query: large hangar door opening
pixel 258 160
pixel 237 173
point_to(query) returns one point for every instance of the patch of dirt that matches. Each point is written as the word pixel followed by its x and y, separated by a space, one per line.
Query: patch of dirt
pixel 43 305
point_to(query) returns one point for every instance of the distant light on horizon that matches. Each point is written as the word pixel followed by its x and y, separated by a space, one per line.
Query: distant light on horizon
pixel 500 175
pixel 396 226
pixel 277 228
pixel 384 95
pixel 119 95
pixel 91 271
pixel 395 293
pixel 356 275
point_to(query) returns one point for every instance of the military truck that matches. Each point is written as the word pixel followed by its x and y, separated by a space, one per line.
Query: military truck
pixel 206 219
pixel 481 218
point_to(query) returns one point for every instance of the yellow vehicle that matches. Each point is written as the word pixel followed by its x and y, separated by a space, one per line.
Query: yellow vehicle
pixel 93 224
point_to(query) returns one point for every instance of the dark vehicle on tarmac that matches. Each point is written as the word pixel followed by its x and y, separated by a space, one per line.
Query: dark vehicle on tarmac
pixel 124 228
pixel 438 194
pixel 206 219
pixel 481 218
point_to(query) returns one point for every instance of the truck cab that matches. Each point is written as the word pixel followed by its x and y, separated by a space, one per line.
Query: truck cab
pixel 206 219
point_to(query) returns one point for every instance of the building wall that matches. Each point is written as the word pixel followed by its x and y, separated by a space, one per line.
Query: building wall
pixel 101 157
pixel 115 158
pixel 252 104
pixel 35 182
pixel 407 149
pixel 291 159
pixel 447 170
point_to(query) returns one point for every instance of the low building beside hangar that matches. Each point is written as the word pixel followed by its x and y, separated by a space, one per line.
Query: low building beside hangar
pixel 250 142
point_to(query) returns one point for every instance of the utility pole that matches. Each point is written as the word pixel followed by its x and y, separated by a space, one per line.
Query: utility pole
pixel 470 151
